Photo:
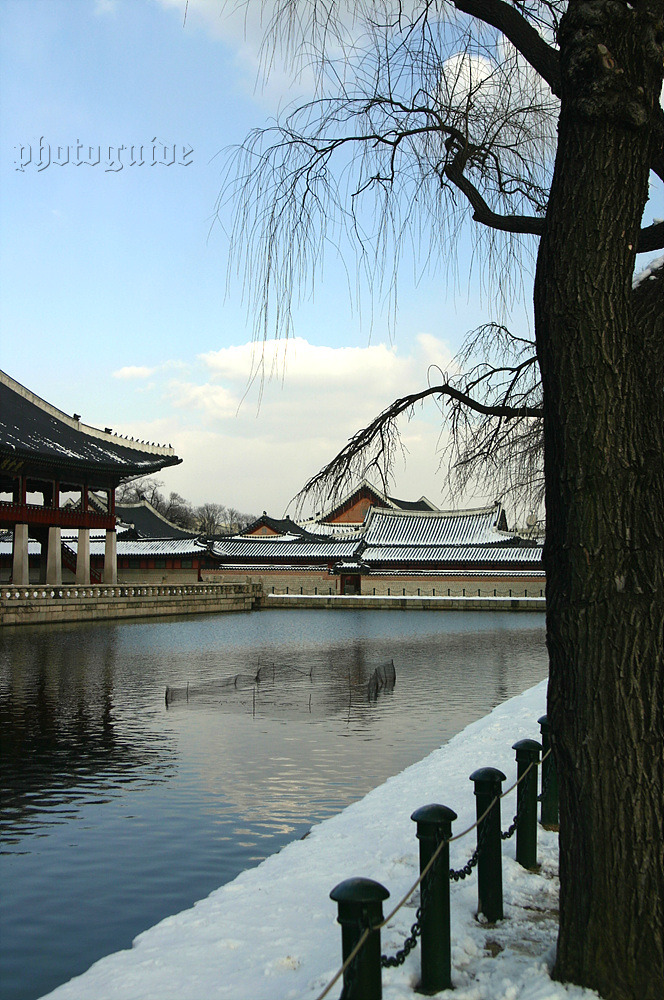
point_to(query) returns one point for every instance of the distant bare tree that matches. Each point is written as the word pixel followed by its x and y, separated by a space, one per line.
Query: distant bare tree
pixel 211 518
pixel 236 520
pixel 179 511
pixel 147 488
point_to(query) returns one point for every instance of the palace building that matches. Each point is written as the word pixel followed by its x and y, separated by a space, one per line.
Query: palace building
pixel 374 544
pixel 52 468
pixel 58 518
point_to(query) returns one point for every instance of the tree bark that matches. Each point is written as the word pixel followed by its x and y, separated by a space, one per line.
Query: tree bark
pixel 602 368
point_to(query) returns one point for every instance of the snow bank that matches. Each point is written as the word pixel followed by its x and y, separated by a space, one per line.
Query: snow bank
pixel 271 934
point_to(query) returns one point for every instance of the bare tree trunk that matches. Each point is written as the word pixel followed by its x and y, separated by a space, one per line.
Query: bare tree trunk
pixel 604 467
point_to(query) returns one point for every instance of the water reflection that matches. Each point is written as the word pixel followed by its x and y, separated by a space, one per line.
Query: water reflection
pixel 59 738
pixel 118 809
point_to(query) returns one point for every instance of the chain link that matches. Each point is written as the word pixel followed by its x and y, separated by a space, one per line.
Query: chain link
pixel 399 957
pixel 521 801
pixel 410 942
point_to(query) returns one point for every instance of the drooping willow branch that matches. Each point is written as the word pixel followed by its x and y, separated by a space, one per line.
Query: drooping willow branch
pixel 373 447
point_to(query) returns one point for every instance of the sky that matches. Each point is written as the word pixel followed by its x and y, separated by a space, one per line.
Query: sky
pixel 115 298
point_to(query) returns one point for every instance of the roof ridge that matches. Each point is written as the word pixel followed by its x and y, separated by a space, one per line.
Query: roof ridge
pixel 455 512
pixel 75 423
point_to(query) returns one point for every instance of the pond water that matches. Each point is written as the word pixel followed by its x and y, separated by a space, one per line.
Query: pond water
pixel 120 805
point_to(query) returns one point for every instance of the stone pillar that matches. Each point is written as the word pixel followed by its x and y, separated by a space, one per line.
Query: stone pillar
pixel 42 538
pixel 83 557
pixel 111 558
pixel 20 561
pixel 54 557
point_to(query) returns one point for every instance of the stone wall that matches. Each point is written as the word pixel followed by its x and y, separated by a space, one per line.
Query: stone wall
pixel 348 602
pixel 40 604
pixel 320 583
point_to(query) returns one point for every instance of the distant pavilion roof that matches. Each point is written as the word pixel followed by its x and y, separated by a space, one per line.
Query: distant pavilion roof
pixel 370 494
pixel 266 526
pixel 149 523
pixel 268 547
pixel 37 438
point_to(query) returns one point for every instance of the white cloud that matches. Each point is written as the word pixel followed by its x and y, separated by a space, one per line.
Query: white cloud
pixel 215 401
pixel 298 361
pixel 134 371
pixel 254 447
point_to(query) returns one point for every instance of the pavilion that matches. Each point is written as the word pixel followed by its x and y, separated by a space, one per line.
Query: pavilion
pixel 46 456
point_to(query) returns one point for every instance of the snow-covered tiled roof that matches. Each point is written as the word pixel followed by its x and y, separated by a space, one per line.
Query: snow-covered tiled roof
pixel 365 490
pixel 149 548
pixel 282 546
pixel 470 527
pixel 149 523
pixel 397 538
pixel 455 554
pixel 32 428
pixel 336 529
pixel 649 270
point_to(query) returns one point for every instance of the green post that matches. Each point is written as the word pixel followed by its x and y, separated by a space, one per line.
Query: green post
pixel 549 813
pixel 434 827
pixel 527 753
pixel 360 905
pixel 488 781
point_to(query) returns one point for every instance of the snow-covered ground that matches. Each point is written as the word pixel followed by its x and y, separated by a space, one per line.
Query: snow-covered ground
pixel 272 934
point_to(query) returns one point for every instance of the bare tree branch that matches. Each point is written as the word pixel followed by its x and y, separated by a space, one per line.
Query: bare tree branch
pixel 481 211
pixel 651 238
pixel 541 56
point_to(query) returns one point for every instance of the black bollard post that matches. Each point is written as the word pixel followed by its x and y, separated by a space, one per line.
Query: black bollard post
pixel 360 905
pixel 488 782
pixel 527 753
pixel 549 813
pixel 434 827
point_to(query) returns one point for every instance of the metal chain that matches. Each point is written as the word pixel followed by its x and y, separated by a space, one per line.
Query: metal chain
pixel 521 805
pixel 467 869
pixel 410 941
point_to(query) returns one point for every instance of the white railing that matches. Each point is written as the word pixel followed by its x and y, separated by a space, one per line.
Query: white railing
pixel 96 592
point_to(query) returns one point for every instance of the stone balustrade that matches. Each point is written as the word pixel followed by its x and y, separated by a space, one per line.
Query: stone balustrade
pixel 40 603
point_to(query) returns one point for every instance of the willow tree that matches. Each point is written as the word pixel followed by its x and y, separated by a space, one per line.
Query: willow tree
pixel 541 122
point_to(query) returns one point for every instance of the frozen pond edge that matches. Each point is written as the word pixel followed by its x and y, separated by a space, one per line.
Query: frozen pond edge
pixel 272 932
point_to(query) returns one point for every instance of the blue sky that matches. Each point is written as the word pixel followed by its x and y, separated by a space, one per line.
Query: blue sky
pixel 114 296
